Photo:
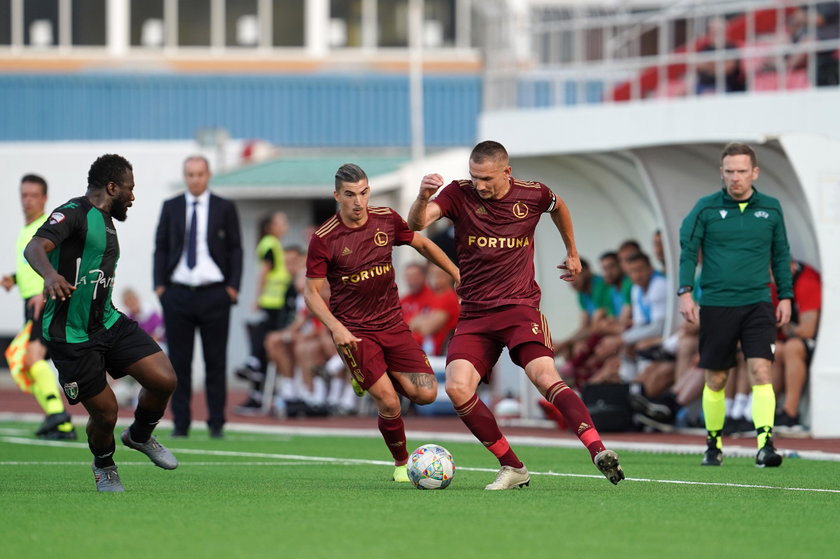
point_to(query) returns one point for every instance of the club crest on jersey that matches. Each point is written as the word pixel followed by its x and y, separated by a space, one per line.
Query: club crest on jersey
pixel 723 214
pixel 535 328
pixel 380 239
pixel 520 210
pixel 56 217
pixel 71 389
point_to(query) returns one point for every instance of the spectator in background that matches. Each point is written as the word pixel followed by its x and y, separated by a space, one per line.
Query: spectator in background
pixel 738 400
pixel 625 250
pixel 273 281
pixel 659 249
pixel 419 299
pixel 649 302
pixel 280 348
pixel 733 73
pixel 596 302
pixel 795 348
pixel 437 325
pixel 197 271
pixel 676 359
pixel 707 71
pixel 619 286
pixel 146 316
pixel 826 27
pixel 660 407
pixel 445 239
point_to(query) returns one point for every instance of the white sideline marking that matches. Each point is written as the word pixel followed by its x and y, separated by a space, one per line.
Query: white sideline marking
pixel 742 449
pixel 147 463
pixel 301 459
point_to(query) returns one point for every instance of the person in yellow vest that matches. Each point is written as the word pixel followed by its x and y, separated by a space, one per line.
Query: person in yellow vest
pixel 273 280
pixel 27 353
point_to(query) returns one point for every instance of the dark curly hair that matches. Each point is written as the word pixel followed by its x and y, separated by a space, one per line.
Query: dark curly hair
pixel 108 168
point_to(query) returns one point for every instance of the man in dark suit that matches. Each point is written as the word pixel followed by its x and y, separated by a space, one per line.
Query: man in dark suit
pixel 197 270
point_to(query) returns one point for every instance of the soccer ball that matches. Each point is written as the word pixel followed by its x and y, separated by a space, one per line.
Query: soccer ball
pixel 431 467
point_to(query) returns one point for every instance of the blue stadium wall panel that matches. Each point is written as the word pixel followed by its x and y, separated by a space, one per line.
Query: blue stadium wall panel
pixel 302 111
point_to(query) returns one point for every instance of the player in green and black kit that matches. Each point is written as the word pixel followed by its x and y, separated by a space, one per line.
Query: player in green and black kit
pixel 27 357
pixel 742 234
pixel 76 252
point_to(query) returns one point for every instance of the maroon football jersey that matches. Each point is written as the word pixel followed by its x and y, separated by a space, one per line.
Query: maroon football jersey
pixel 494 240
pixel 357 263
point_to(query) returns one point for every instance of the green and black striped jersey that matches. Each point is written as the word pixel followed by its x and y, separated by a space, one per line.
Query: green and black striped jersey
pixel 86 255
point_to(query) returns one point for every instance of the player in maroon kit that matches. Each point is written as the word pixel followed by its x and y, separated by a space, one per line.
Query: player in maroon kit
pixel 352 251
pixel 495 217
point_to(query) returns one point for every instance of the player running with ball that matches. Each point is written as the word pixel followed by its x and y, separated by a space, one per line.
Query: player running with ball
pixel 352 251
pixel 495 217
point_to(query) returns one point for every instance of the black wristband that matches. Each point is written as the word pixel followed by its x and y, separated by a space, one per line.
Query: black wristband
pixel 685 289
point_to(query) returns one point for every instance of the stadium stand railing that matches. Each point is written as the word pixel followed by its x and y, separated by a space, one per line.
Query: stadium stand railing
pixel 584 55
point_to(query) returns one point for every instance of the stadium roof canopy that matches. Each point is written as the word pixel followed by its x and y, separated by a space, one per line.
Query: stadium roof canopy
pixel 301 177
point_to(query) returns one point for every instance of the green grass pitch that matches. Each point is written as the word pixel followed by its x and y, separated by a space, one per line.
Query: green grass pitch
pixel 260 495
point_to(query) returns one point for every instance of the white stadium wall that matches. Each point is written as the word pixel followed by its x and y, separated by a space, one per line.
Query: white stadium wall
pixel 600 158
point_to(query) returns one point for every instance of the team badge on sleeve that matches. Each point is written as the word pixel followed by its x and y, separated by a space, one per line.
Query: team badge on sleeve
pixel 56 217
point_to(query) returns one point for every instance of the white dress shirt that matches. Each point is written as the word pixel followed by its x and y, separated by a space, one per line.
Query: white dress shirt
pixel 205 271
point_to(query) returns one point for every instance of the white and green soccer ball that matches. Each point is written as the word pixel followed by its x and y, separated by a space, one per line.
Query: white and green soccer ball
pixel 431 467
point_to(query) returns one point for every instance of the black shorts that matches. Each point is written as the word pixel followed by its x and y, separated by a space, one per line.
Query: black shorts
pixel 810 345
pixel 721 328
pixel 82 366
pixel 37 334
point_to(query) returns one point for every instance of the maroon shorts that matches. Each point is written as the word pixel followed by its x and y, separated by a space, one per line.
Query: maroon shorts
pixel 480 340
pixel 393 351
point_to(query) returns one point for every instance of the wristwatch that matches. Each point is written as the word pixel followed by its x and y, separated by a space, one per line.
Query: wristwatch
pixel 685 289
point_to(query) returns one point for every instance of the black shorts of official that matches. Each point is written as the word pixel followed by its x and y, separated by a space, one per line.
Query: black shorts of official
pixel 37 334
pixel 82 366
pixel 721 328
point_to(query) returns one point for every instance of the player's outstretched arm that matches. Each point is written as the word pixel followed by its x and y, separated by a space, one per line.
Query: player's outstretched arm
pixel 55 286
pixel 318 307
pixel 435 255
pixel 562 218
pixel 423 212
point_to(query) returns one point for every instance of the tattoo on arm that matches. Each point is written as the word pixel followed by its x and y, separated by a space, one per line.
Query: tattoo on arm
pixel 422 380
